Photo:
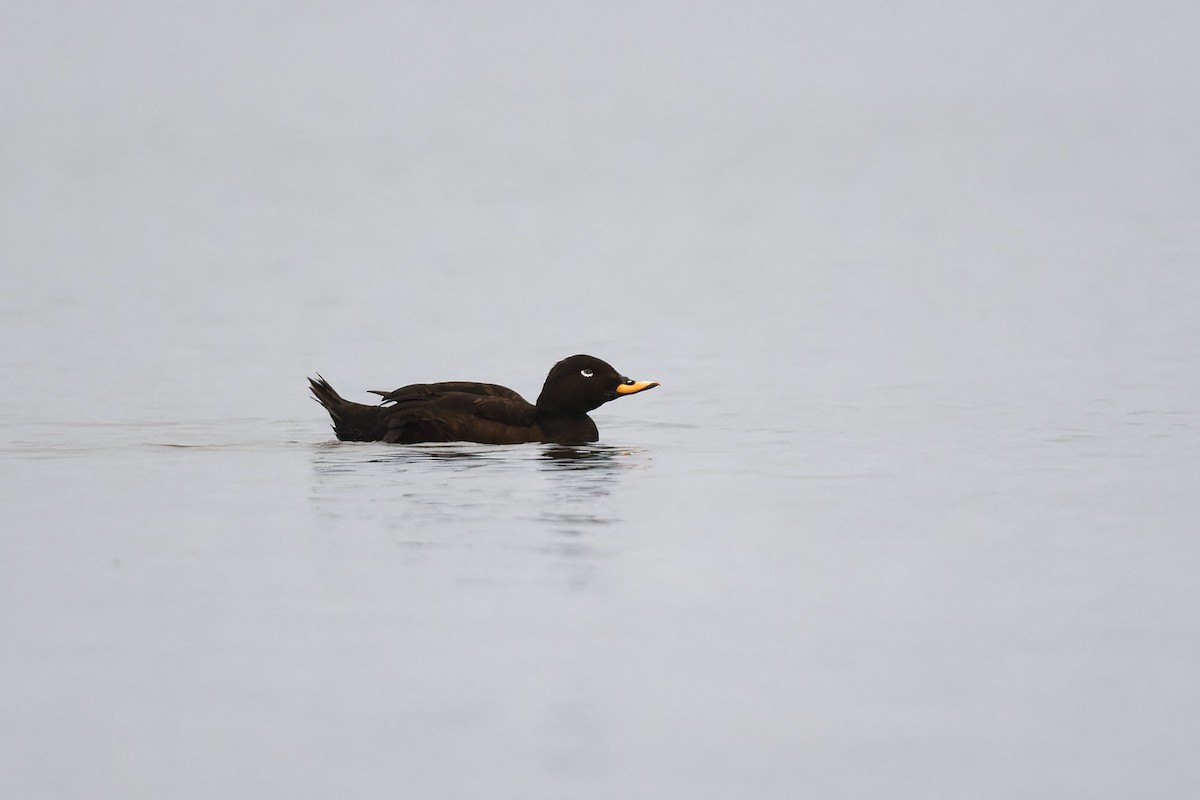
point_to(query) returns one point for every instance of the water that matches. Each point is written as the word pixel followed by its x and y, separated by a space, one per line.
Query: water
pixel 912 515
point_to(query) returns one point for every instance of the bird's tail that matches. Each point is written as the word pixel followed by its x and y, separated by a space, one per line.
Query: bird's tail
pixel 352 422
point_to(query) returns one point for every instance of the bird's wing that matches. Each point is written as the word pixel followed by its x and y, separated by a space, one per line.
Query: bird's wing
pixel 447 387
pixel 459 416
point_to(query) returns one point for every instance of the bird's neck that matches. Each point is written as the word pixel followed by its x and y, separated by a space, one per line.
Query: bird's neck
pixel 577 427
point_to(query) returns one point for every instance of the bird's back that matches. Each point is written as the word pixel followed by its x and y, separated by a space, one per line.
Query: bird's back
pixel 458 411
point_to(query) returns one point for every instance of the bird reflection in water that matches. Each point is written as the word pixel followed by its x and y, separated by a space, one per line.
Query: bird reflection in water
pixel 581 457
pixel 559 500
pixel 581 477
pixel 578 510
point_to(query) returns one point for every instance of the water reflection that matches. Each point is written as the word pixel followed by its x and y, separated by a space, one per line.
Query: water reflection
pixel 601 461
pixel 581 479
pixel 580 457
pixel 337 456
pixel 560 502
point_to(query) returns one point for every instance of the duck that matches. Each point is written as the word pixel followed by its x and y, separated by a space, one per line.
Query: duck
pixel 485 413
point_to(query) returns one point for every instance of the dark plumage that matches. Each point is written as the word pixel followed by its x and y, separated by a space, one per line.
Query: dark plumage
pixel 464 411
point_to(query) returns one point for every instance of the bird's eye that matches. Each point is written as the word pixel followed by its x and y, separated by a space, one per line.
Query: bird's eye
pixel 587 373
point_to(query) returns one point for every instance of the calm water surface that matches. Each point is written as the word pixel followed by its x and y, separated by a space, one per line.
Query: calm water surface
pixel 913 513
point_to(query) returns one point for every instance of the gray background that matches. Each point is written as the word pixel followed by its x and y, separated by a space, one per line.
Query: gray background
pixel 912 515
